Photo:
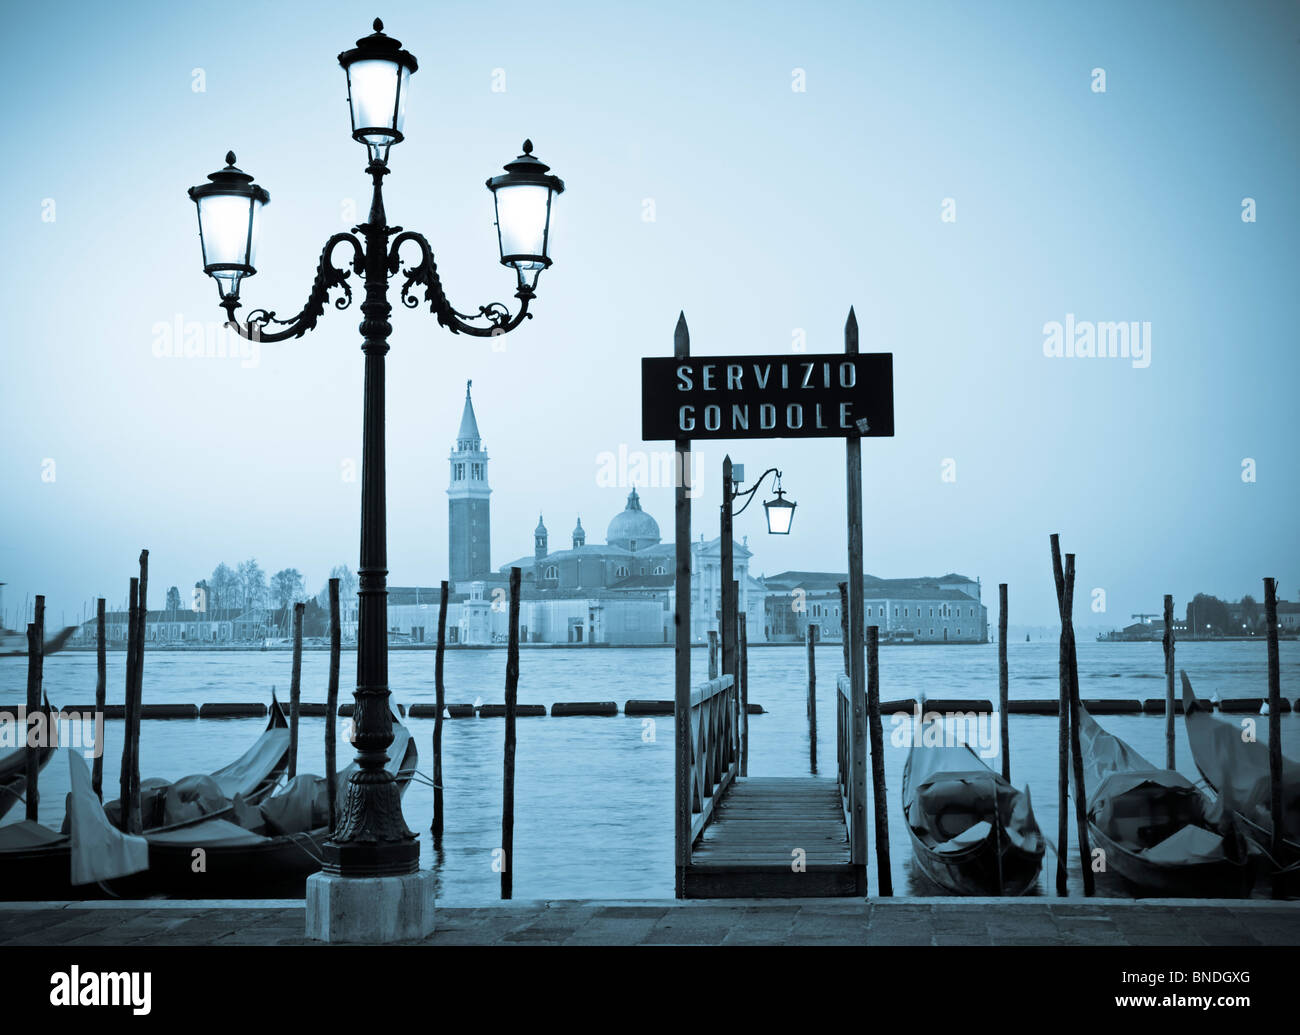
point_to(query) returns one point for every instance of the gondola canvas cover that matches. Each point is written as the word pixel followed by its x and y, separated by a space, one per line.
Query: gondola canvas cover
pixel 246 774
pixel 99 851
pixel 1237 767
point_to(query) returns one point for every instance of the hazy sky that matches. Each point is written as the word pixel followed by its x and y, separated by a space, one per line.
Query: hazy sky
pixel 774 210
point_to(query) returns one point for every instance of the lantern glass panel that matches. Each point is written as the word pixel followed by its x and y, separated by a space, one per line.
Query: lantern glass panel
pixel 378 92
pixel 523 212
pixel 229 239
pixel 780 516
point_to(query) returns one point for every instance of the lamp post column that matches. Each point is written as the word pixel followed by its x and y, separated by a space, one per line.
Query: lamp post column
pixel 372 839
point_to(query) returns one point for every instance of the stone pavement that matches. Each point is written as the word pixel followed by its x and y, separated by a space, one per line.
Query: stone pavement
pixel 901 921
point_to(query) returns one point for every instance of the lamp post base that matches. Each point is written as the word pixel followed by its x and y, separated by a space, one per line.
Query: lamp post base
pixel 370 910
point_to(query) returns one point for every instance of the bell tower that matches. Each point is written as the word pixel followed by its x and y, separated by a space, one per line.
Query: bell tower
pixel 469 526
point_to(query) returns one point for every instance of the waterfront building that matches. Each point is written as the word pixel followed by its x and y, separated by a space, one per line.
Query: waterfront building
pixel 946 609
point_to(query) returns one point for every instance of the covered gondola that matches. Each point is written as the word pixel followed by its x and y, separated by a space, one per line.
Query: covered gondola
pixel 1153 826
pixel 972 832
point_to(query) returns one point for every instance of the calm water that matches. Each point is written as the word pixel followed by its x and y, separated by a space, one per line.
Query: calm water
pixel 594 796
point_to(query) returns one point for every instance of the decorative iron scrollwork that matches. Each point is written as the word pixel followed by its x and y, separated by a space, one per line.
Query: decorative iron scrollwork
pixel 328 278
pixel 424 273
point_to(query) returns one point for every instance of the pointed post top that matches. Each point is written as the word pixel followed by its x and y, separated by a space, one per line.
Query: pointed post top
pixel 851 333
pixel 681 337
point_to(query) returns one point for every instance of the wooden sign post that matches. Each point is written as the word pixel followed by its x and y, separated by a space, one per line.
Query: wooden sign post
pixel 682 630
pixel 832 395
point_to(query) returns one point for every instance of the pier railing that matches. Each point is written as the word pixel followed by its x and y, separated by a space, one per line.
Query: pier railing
pixel 851 768
pixel 715 745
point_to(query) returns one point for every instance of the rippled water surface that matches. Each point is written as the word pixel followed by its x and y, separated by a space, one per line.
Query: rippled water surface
pixel 594 796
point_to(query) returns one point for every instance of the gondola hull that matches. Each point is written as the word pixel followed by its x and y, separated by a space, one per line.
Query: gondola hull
pixel 949 796
pixel 1218 878
pixel 976 871
pixel 276 867
pixel 262 867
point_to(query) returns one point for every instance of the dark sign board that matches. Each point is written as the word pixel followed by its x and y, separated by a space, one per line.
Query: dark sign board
pixel 838 395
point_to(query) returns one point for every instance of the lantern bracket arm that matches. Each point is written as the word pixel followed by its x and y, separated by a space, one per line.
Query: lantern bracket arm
pixel 424 273
pixel 748 494
pixel 328 278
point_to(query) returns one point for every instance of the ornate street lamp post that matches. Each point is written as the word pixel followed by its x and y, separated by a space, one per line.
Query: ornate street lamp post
pixel 371 839
pixel 780 513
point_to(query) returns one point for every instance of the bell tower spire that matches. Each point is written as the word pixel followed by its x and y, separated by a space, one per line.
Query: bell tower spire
pixel 469 527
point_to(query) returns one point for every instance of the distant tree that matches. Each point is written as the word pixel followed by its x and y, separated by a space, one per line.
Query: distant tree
pixel 173 599
pixel 1207 614
pixel 315 618
pixel 252 584
pixel 223 588
pixel 287 587
pixel 347 585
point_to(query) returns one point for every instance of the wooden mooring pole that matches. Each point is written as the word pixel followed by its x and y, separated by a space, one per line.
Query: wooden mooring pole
pixel 1004 684
pixel 295 689
pixel 508 776
pixel 124 794
pixel 332 704
pixel 727 622
pixel 1274 732
pixel 101 695
pixel 1062 735
pixel 137 692
pixel 440 703
pixel 1071 703
pixel 35 677
pixel 844 625
pixel 1169 680
pixel 812 701
pixel 742 682
pixel 880 801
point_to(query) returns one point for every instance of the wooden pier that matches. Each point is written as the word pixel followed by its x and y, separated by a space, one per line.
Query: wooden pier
pixel 766 837
pixel 774 838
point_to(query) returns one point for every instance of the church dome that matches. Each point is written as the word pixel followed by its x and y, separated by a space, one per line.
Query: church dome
pixel 633 529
